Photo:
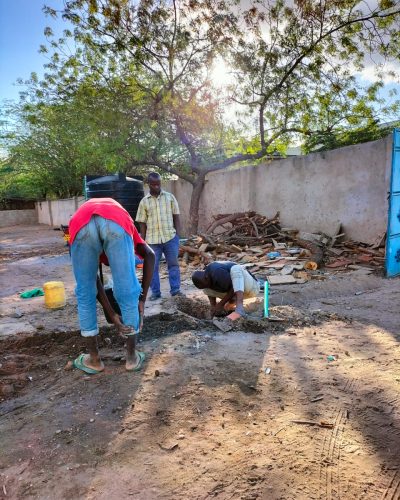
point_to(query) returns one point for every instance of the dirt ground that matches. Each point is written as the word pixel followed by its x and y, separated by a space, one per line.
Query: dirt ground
pixel 258 412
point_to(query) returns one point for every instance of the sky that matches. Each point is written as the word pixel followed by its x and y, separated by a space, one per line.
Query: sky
pixel 22 23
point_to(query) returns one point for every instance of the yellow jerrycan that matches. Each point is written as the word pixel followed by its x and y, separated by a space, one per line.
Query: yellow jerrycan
pixel 54 294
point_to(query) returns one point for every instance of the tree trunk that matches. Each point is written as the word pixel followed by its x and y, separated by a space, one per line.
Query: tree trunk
pixel 198 187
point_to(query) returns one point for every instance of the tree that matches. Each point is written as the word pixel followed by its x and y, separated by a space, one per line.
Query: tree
pixel 299 66
pixel 293 62
pixel 371 131
pixel 15 184
pixel 53 145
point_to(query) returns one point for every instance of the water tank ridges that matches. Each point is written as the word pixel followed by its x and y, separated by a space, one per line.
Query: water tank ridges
pixel 125 190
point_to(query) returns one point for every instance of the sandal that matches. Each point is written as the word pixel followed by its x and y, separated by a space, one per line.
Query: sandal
pixel 138 367
pixel 78 363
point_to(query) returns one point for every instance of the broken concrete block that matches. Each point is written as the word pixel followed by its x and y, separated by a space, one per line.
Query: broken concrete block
pixel 324 240
pixel 287 270
pixel 278 246
pixel 314 238
pixel 281 280
pixel 361 272
pixel 355 267
pixel 302 276
pixel 223 325
pixel 336 251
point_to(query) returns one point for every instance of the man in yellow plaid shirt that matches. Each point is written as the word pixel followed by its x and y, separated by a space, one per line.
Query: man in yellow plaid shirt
pixel 158 217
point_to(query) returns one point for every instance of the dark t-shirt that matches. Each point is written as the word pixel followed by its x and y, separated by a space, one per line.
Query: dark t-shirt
pixel 219 273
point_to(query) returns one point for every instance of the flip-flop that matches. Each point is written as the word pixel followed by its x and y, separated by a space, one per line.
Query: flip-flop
pixel 142 357
pixel 78 363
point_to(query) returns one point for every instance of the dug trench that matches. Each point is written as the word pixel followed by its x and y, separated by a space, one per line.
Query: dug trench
pixel 30 357
pixel 36 357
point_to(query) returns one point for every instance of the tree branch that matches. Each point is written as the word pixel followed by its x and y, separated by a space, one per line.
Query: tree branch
pixel 163 166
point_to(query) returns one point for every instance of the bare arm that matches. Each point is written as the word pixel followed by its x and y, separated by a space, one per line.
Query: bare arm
pixel 147 254
pixel 177 224
pixel 225 299
pixel 103 299
pixel 108 309
pixel 213 305
pixel 143 229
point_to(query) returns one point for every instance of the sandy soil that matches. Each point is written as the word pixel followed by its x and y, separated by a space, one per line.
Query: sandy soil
pixel 259 412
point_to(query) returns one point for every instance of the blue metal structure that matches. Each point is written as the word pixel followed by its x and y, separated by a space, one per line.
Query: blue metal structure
pixel 392 262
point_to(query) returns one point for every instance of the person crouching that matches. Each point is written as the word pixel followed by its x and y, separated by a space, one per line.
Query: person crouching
pixel 228 281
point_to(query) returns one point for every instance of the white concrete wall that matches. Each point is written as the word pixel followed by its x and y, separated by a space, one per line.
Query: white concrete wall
pixel 347 185
pixel 57 212
pixel 17 217
pixel 311 192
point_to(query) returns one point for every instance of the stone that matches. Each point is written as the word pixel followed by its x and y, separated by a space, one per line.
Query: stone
pixel 281 280
pixel 223 325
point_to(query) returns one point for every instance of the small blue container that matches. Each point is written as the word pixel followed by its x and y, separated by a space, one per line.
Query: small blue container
pixel 273 255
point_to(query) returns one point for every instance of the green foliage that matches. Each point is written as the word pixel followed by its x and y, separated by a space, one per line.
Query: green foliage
pixel 371 131
pixel 15 184
pixel 52 146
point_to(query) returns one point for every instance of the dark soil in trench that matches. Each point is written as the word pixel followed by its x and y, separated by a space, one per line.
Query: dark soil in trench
pixel 22 358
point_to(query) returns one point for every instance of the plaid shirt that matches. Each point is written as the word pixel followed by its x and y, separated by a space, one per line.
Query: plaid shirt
pixel 156 212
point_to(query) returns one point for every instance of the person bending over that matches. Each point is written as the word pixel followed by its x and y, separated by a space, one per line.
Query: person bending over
pixel 227 281
pixel 101 229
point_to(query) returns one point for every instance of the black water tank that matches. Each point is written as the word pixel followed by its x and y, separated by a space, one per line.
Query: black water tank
pixel 125 190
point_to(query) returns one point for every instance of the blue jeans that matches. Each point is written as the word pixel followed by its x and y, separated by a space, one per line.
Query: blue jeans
pixel 97 236
pixel 171 250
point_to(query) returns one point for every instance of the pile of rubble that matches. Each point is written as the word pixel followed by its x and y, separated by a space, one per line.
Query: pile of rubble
pixel 283 255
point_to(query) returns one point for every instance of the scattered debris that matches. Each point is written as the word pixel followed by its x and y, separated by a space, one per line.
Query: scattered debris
pixel 338 263
pixel 311 265
pixel 17 314
pixel 222 325
pixel 171 447
pixel 269 251
pixel 36 292
pixel 287 270
pixel 281 280
pixel 315 400
pixel 267 371
pixel 351 448
pixel 326 425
